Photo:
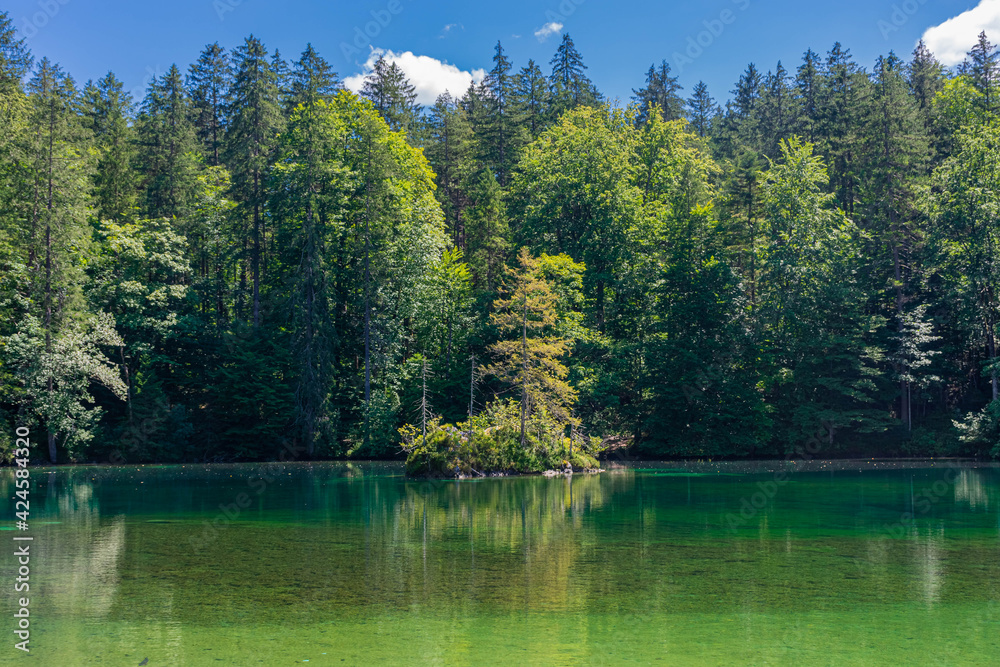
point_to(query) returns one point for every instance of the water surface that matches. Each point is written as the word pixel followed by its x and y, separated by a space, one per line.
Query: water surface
pixel 845 563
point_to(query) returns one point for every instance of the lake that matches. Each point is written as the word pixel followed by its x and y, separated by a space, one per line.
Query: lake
pixel 820 563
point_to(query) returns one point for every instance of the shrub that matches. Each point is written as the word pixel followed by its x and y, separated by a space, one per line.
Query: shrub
pixel 492 444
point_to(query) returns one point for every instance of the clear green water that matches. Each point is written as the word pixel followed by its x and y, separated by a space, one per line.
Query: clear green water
pixel 354 564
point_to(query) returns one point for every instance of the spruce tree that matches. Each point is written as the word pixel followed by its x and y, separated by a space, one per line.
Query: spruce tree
pixel 448 149
pixel 896 151
pixel 254 112
pixel 498 138
pixel 109 112
pixel 982 67
pixel 167 147
pixel 807 83
pixel 659 95
pixel 701 110
pixel 844 106
pixel 532 99
pixel 393 95
pixel 570 85
pixel 312 80
pixel 208 82
pixel 58 166
pixel 776 111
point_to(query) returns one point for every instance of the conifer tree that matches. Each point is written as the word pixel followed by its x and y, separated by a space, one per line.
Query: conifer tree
pixel 393 95
pixel 982 67
pixel 895 156
pixel 167 147
pixel 530 361
pixel 208 82
pixel 109 111
pixel 702 110
pixel 486 229
pixel 807 83
pixel 57 159
pixel 448 149
pixel 926 77
pixel 312 79
pixel 776 111
pixel 254 112
pixel 844 106
pixel 532 99
pixel 498 137
pixel 570 85
pixel 661 95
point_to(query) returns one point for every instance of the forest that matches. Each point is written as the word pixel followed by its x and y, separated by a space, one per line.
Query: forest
pixel 252 260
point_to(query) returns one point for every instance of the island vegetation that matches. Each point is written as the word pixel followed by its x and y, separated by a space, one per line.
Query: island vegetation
pixel 245 259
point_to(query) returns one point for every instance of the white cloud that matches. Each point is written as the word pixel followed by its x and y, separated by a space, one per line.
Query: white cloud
pixel 448 28
pixel 951 40
pixel 429 76
pixel 547 30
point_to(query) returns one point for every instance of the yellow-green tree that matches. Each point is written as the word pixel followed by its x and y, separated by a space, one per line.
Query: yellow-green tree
pixel 530 359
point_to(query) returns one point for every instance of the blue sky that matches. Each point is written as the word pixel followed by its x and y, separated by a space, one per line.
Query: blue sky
pixel 444 43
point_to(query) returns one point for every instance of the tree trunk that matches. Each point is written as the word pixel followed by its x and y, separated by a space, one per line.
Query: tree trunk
pixel 255 267
pixel 368 215
pixel 524 371
pixel 993 357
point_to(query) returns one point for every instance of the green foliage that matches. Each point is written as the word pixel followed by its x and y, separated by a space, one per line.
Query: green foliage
pixel 495 446
pixel 981 430
pixel 253 256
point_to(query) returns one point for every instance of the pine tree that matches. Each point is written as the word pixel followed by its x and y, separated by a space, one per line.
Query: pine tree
pixel 702 110
pixel 660 95
pixel 208 81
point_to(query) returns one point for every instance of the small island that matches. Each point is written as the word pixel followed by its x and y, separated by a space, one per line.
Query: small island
pixel 491 445
pixel 538 433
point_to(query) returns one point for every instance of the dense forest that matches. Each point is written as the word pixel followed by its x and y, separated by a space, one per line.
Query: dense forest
pixel 252 260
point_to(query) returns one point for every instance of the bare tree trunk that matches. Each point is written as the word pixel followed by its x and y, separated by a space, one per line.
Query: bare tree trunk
pixel 524 371
pixel 991 338
pixel 472 392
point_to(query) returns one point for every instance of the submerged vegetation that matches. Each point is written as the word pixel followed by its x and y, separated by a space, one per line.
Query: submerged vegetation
pixel 252 260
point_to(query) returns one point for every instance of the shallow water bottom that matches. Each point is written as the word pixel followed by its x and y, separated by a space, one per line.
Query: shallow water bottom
pixel 882 635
